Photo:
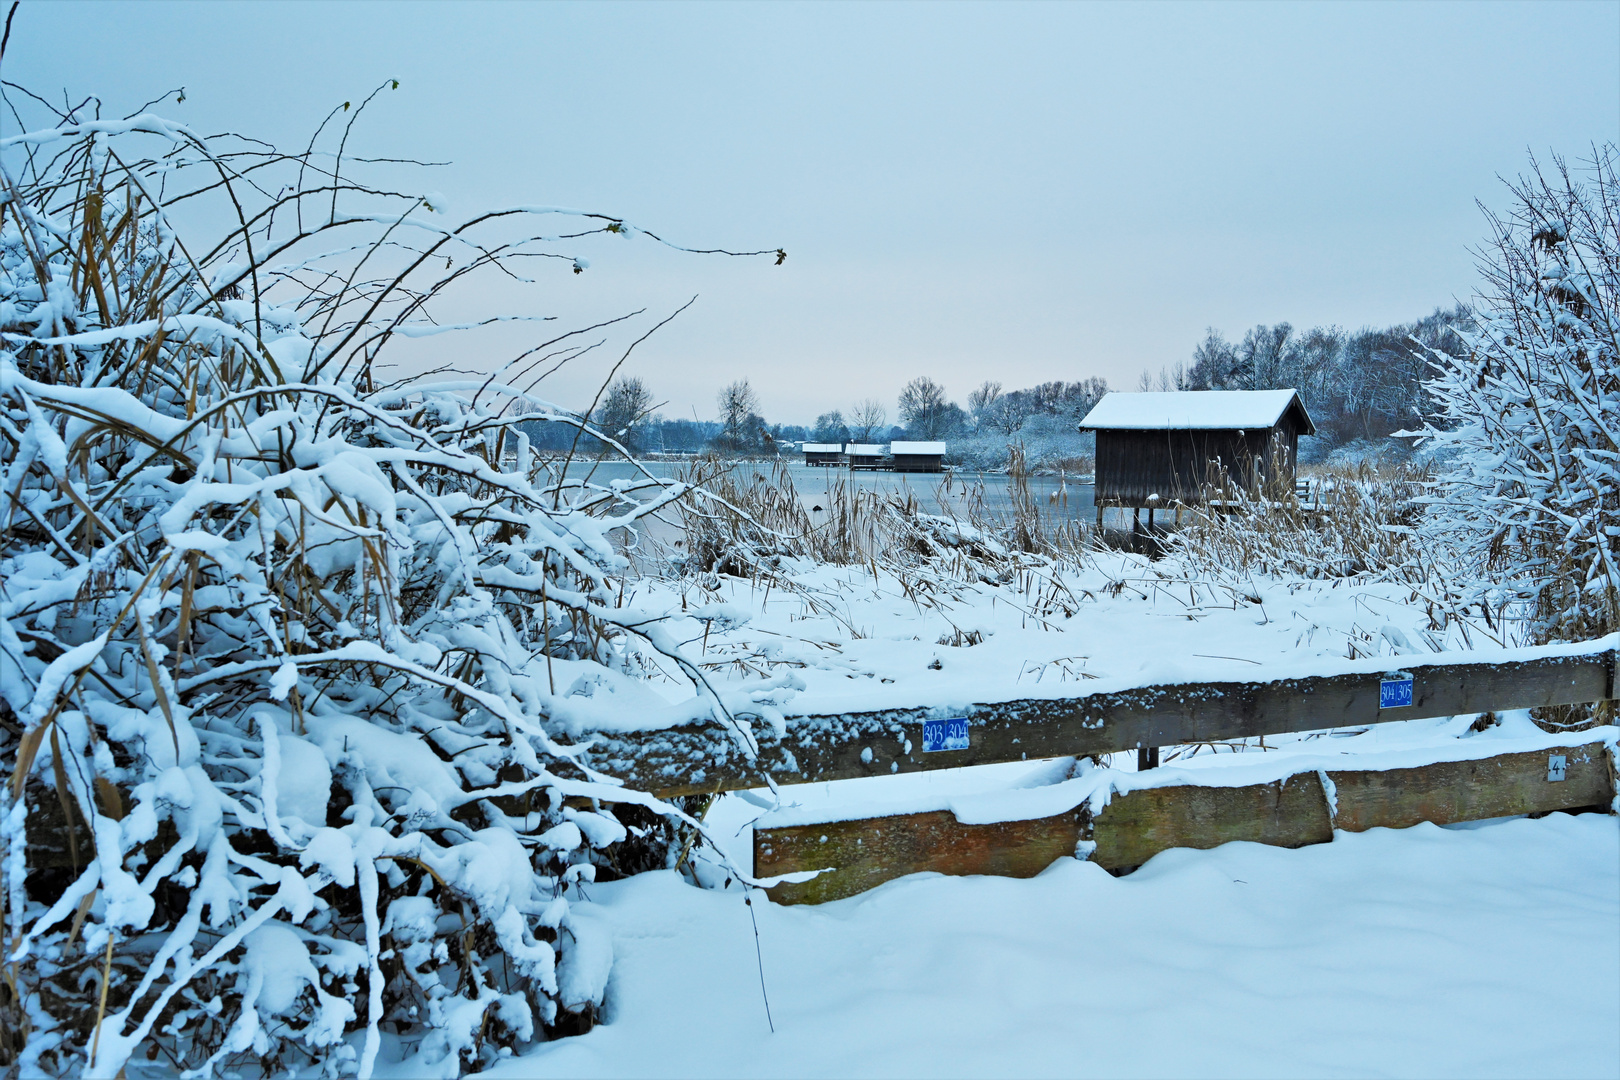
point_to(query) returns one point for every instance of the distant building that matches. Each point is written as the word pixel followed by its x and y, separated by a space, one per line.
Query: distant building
pixel 1157 449
pixel 823 453
pixel 863 455
pixel 927 457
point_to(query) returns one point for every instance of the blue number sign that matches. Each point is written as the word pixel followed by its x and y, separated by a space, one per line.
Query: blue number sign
pixel 1395 691
pixel 949 734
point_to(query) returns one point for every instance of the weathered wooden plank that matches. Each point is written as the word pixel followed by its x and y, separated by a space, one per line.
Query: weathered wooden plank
pixel 1453 791
pixel 707 757
pixel 871 851
pixel 1138 825
pixel 1135 827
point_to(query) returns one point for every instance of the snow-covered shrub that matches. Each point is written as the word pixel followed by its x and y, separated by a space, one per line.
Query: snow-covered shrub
pixel 1049 441
pixel 286 651
pixel 1529 410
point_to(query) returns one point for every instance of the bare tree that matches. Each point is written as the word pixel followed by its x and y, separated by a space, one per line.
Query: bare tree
pixel 625 408
pixel 923 407
pixel 738 404
pixel 866 420
pixel 830 427
pixel 1216 365
pixel 984 397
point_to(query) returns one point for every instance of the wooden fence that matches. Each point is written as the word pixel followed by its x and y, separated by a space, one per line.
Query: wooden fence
pixel 707 757
pixel 1294 811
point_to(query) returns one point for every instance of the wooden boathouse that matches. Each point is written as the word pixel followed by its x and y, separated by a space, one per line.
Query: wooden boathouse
pixel 919 457
pixel 823 453
pixel 1155 450
pixel 863 455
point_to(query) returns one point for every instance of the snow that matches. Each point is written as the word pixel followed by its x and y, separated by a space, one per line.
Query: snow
pixel 1255 410
pixel 863 449
pixel 823 448
pixel 1487 950
pixel 917 448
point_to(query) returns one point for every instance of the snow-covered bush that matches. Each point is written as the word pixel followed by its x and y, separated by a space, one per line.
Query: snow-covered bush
pixel 286 651
pixel 1049 443
pixel 1529 410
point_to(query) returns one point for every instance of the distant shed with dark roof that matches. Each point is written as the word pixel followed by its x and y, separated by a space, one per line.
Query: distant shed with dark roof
pixel 1155 449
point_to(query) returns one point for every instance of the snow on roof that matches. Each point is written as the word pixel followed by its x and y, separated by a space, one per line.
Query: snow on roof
pixel 1183 409
pixel 823 448
pixel 917 448
pixel 863 449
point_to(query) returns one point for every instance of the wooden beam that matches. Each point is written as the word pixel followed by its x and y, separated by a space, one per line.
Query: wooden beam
pixel 1137 826
pixel 871 851
pixel 1134 827
pixel 1452 791
pixel 706 757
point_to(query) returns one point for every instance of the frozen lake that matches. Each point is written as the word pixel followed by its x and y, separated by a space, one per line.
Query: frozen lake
pixel 1059 498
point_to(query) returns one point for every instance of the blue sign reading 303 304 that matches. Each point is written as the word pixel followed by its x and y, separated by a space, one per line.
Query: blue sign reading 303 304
pixel 949 734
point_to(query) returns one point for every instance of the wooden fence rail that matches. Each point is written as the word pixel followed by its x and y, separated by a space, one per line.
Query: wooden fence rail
pixel 1290 812
pixel 706 757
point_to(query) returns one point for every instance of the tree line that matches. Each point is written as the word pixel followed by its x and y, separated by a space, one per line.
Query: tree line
pixel 1360 385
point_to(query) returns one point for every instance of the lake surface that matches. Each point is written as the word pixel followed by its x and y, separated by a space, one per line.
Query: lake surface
pixel 1059 498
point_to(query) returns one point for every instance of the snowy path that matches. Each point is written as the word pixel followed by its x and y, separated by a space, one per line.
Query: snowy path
pixel 1484 951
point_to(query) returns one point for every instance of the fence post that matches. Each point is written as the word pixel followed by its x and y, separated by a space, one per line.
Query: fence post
pixel 1147 757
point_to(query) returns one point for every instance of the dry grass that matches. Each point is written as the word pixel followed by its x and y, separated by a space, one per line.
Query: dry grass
pixel 1349 521
pixel 746 523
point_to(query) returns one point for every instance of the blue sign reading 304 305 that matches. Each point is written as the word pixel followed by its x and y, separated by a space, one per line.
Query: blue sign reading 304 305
pixel 1395 692
pixel 949 734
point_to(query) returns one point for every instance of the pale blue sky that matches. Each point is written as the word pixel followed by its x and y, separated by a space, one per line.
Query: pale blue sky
pixel 1014 192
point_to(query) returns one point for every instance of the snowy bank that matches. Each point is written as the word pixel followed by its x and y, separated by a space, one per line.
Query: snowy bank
pixel 1486 950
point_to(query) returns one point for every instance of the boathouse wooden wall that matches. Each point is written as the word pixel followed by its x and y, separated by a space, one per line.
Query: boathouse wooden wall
pixel 1133 465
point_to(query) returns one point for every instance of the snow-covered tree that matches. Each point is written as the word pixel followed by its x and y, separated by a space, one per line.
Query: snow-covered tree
pixel 290 654
pixel 1530 407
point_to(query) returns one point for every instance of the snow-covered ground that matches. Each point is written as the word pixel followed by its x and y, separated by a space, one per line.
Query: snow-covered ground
pixel 1485 950
pixel 852 638
pixel 1490 949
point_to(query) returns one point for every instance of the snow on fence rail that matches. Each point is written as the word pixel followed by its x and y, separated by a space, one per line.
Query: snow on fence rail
pixel 709 756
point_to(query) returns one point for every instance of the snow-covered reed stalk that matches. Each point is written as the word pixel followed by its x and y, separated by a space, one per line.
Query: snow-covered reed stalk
pixel 752 524
pixel 1353 522
pixel 288 757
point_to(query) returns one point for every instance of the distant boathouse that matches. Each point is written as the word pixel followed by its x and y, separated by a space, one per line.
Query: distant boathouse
pixel 823 453
pixel 919 457
pixel 864 455
pixel 1155 450
pixel 924 457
